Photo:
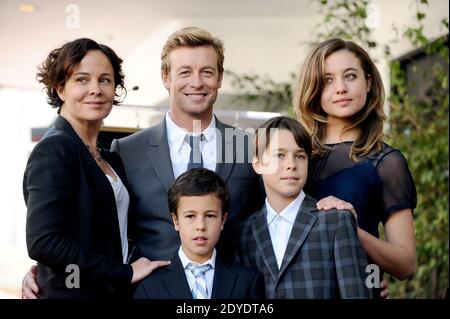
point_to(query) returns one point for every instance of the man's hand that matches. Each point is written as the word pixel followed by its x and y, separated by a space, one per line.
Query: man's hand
pixel 144 267
pixel 30 288
pixel 331 202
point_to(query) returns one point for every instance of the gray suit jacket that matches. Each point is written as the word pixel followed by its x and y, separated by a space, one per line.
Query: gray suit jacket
pixel 323 259
pixel 148 167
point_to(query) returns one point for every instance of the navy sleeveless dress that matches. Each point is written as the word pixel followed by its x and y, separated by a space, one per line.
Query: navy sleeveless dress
pixel 377 186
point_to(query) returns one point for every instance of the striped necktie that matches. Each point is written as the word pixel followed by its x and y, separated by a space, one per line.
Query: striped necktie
pixel 200 290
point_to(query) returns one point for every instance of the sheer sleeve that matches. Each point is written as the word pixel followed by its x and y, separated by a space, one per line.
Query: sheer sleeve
pixel 399 191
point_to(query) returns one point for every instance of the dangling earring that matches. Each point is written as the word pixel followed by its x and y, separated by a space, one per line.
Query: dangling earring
pixel 369 83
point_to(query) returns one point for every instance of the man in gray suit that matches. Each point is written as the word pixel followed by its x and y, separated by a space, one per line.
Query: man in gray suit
pixel 192 71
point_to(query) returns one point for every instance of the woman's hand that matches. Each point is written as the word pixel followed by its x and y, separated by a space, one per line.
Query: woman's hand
pixel 331 202
pixel 384 289
pixel 144 267
pixel 30 287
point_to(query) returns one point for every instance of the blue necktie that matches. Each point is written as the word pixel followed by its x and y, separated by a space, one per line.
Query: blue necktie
pixel 200 290
pixel 195 157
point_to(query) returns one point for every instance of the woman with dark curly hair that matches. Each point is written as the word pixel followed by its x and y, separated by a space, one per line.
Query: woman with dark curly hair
pixel 75 192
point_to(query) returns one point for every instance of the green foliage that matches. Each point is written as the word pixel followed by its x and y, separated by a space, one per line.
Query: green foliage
pixel 270 96
pixel 344 19
pixel 418 126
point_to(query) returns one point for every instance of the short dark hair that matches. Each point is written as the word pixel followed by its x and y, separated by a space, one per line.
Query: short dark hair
pixel 263 134
pixel 60 63
pixel 198 182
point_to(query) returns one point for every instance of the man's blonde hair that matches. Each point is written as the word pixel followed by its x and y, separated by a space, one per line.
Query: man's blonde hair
pixel 191 37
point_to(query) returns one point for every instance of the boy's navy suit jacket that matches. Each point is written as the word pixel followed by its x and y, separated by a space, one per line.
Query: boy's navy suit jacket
pixel 232 281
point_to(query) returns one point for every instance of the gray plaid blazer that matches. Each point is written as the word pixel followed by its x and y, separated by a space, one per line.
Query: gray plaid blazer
pixel 323 259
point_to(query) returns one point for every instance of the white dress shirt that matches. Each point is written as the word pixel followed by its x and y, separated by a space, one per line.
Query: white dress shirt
pixel 180 149
pixel 122 202
pixel 209 275
pixel 280 225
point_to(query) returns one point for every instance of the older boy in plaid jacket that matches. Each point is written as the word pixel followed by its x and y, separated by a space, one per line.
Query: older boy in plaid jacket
pixel 302 252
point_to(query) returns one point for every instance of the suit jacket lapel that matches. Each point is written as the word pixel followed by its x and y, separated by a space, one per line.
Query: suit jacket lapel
pixel 98 178
pixel 159 155
pixel 175 280
pixel 226 156
pixel 263 242
pixel 303 224
pixel 223 282
pixel 106 197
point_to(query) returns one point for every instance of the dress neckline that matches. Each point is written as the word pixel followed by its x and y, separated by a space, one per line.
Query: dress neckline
pixel 339 143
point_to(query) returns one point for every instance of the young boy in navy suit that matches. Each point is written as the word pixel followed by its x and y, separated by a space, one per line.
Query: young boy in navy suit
pixel 198 201
pixel 302 252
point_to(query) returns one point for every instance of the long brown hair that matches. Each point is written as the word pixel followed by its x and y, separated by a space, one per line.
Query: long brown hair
pixel 311 82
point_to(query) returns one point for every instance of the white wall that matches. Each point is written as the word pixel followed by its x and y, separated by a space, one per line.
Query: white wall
pixel 19 111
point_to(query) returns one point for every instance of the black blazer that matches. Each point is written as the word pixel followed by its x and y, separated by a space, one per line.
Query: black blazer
pixel 230 282
pixel 72 218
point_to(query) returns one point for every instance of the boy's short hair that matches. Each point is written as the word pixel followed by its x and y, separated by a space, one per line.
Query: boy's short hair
pixel 191 37
pixel 198 182
pixel 263 134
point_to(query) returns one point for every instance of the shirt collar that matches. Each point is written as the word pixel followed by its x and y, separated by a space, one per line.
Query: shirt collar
pixel 177 135
pixel 289 213
pixel 210 131
pixel 185 259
